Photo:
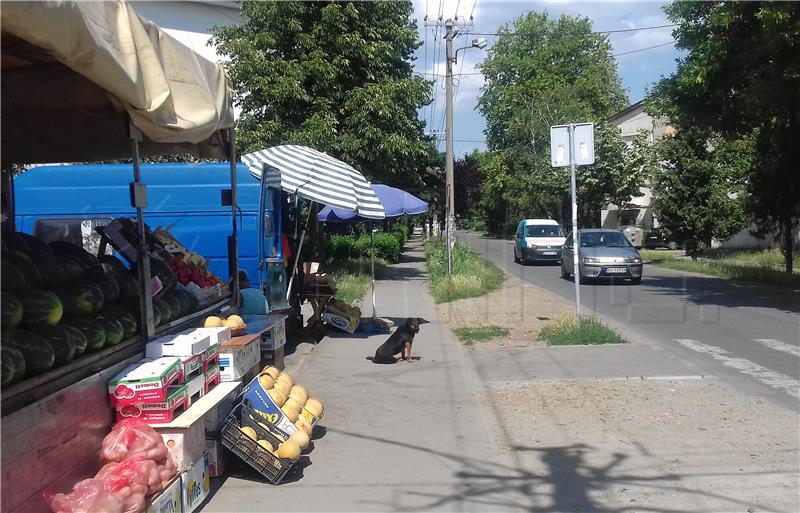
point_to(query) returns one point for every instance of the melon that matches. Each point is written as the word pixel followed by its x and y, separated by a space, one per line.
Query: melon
pixel 30 243
pixel 304 425
pixel 293 404
pixel 106 282
pixel 276 396
pixel 301 438
pixel 286 378
pixel 63 340
pixel 74 304
pixel 90 292
pixel 299 392
pixel 247 430
pixel 212 322
pixel 128 286
pixel 64 248
pixel 175 305
pixel 115 263
pixel 11 312
pixel 13 365
pixel 38 353
pixel 291 413
pixel 41 307
pixel 180 299
pixel 266 445
pixel 289 450
pixel 129 323
pixel 33 278
pixel 314 407
pixel 235 321
pixel 78 338
pixel 165 311
pixel 266 381
pixel 283 388
pixel 272 371
pixel 12 278
pixel 73 269
pixel 113 329
pixel 94 332
pixel 51 270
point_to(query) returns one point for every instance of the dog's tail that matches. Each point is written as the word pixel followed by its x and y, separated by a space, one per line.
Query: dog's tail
pixel 371 358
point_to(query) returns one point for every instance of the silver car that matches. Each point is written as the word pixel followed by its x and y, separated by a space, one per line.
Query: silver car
pixel 603 254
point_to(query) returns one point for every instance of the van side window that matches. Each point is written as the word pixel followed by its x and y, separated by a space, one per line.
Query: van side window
pixel 267 225
pixel 80 232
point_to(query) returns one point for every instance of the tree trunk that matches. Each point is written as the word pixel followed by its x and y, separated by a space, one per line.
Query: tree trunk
pixel 788 246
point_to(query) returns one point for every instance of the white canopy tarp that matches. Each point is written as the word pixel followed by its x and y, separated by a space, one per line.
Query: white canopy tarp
pixel 171 94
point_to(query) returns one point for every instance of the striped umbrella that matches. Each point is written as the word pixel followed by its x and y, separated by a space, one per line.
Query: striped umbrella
pixel 316 176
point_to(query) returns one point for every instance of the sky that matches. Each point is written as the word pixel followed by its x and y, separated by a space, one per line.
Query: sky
pixel 638 70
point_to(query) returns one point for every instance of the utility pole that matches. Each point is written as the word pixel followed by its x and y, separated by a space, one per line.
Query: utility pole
pixel 448 161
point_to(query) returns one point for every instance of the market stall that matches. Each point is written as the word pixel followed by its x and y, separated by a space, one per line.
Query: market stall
pixel 89 81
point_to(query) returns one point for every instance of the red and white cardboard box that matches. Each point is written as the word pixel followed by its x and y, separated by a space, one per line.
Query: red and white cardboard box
pixel 144 382
pixel 216 335
pixel 192 364
pixel 196 387
pixel 216 458
pixel 183 344
pixel 157 413
pixel 238 356
pixel 185 444
pixel 212 378
pixel 210 357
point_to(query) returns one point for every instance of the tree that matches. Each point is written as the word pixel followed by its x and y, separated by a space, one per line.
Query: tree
pixel 468 181
pixel 741 79
pixel 701 185
pixel 336 76
pixel 543 72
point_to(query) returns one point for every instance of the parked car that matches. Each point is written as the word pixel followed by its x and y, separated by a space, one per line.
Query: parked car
pixel 603 254
pixel 538 240
pixel 661 238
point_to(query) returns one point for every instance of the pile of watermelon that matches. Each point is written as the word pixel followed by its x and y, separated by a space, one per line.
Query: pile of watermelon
pixel 60 302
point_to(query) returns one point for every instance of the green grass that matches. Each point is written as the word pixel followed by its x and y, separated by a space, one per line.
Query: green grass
pixel 469 336
pixel 479 226
pixel 763 266
pixel 472 276
pixel 353 277
pixel 565 330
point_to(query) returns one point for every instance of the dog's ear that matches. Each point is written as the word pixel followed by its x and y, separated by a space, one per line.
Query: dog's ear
pixel 413 323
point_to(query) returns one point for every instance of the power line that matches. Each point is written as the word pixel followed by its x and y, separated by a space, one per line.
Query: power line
pixel 643 49
pixel 594 32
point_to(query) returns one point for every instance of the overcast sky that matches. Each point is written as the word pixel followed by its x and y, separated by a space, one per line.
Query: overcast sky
pixel 638 70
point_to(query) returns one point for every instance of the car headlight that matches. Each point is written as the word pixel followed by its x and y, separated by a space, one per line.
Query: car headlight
pixel 587 260
pixel 531 245
pixel 635 260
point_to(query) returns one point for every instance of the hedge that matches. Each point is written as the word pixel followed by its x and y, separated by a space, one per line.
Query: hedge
pixel 343 247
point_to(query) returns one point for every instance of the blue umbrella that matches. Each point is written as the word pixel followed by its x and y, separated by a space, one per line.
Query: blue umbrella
pixel 396 202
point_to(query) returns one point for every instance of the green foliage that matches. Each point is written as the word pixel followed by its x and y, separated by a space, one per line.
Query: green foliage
pixel 566 330
pixel 701 184
pixel 472 276
pixel 336 76
pixel 469 336
pixel 479 226
pixel 547 72
pixel 741 78
pixel 400 232
pixel 343 247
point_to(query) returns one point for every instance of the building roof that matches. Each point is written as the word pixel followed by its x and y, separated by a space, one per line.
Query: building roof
pixel 628 110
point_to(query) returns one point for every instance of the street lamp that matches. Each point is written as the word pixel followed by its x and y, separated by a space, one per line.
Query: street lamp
pixel 479 43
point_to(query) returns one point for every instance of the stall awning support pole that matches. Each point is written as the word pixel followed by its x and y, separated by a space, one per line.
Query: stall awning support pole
pixel 233 240
pixel 297 256
pixel 139 201
pixel 372 264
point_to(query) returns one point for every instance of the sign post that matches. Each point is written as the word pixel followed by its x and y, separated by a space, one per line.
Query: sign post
pixel 573 145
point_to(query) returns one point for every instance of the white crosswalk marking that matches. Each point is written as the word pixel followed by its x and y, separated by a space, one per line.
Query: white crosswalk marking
pixel 778 345
pixel 769 377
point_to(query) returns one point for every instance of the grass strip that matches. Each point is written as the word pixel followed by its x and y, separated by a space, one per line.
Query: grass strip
pixel 472 276
pixel 470 336
pixel 566 330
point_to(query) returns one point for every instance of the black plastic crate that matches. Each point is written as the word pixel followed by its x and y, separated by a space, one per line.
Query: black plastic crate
pixel 267 464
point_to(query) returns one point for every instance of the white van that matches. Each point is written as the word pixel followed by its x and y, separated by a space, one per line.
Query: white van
pixel 538 240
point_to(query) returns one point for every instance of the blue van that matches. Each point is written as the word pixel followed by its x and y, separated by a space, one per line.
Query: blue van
pixel 67 202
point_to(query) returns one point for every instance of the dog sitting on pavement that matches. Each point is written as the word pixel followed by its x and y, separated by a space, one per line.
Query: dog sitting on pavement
pixel 398 343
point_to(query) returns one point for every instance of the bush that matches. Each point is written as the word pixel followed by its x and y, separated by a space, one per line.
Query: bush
pixel 565 330
pixel 341 247
pixel 479 226
pixel 472 276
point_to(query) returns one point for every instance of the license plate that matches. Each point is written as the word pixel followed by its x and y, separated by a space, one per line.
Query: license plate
pixel 616 270
pixel 549 253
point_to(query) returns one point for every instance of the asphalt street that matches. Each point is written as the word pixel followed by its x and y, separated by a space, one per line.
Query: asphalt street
pixel 746 334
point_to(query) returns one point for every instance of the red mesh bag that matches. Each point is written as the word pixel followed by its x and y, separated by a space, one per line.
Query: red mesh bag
pixel 132 437
pixel 87 496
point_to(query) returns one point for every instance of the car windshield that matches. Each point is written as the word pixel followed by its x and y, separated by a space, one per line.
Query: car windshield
pixel 604 240
pixel 543 230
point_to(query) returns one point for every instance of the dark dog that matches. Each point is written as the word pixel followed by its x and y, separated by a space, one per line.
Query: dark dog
pixel 399 342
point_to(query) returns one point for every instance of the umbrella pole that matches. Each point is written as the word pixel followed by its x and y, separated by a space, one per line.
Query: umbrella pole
pixel 297 257
pixel 372 263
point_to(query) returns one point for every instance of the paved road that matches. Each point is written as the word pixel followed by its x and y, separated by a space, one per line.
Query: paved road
pixel 746 334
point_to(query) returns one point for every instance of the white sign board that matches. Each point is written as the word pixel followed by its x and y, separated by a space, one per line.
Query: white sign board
pixel 583 145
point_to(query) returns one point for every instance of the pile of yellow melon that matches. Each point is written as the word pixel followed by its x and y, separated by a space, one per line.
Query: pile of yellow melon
pixel 290 449
pixel 234 322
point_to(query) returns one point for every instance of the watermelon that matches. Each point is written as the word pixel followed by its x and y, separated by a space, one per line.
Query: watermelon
pixel 13 365
pixel 78 338
pixel 185 298
pixel 41 307
pixel 64 248
pixel 164 313
pixel 164 273
pixel 106 282
pixel 129 323
pixel 90 292
pixel 30 243
pixel 12 278
pixel 115 263
pixel 53 273
pixel 73 268
pixel 93 330
pixel 38 353
pixel 62 338
pixel 175 305
pixel 30 270
pixel 12 310
pixel 128 286
pixel 114 330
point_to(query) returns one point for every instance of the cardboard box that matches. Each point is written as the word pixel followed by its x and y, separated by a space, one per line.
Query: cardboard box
pixel 186 445
pixel 342 316
pixel 238 356
pixel 170 500
pixel 157 413
pixel 144 382
pixel 196 484
pixel 216 458
pixel 274 337
pixel 212 379
pixel 196 388
pixel 183 344
pixel 263 405
pixel 215 418
pixel 192 364
pixel 216 335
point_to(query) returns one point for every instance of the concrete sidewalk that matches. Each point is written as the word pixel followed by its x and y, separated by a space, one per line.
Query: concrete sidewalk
pixel 404 437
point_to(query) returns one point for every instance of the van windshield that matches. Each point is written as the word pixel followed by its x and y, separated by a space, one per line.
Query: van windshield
pixel 543 230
